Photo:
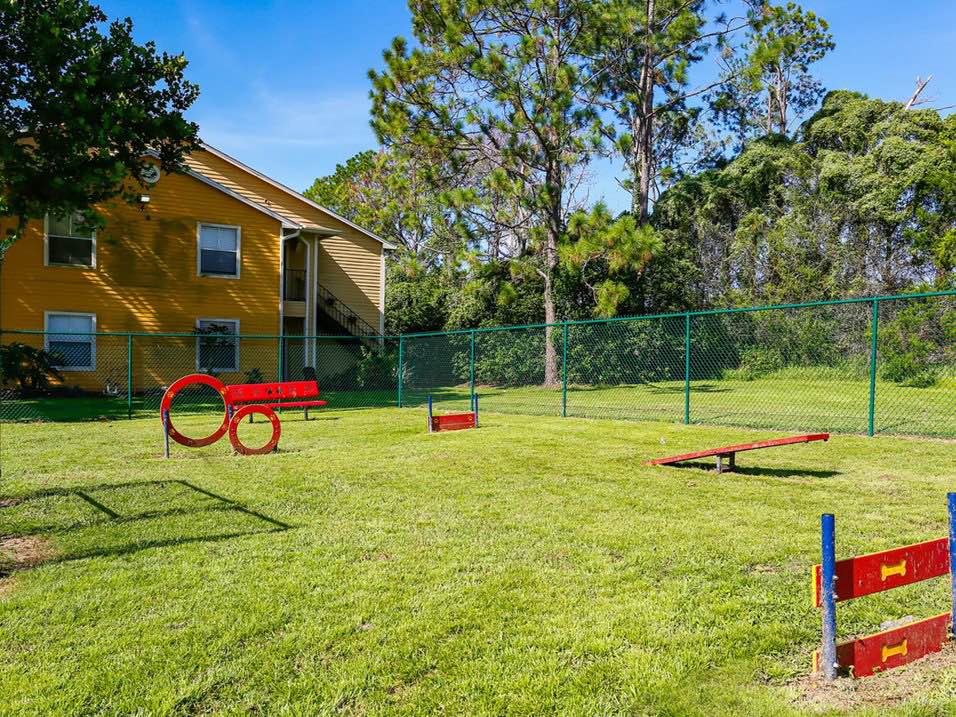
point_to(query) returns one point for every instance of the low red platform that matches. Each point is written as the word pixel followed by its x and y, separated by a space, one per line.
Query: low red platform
pixel 730 452
pixel 453 422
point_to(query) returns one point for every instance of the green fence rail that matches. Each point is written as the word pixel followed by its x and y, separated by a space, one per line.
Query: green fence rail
pixel 878 365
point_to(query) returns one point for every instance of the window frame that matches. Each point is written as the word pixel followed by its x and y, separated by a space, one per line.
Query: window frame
pixel 211 275
pixel 92 337
pixel 199 337
pixel 46 248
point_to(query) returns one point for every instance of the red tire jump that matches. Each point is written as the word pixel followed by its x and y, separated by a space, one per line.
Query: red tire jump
pixel 248 410
pixel 167 402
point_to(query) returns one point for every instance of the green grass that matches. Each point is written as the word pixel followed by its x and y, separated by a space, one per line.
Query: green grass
pixel 534 566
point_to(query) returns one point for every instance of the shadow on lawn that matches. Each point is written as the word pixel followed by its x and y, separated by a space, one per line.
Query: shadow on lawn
pixel 758 471
pixel 117 524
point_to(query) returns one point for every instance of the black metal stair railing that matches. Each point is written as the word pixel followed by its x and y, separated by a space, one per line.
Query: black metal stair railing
pixel 333 308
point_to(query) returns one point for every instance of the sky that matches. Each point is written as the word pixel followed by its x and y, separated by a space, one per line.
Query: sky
pixel 284 84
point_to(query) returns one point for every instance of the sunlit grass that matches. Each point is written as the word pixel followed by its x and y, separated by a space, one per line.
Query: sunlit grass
pixel 534 566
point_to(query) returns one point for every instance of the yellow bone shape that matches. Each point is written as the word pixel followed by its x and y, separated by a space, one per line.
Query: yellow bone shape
pixel 889 651
pixel 896 569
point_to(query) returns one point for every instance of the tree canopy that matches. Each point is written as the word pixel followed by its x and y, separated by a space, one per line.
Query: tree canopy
pixel 747 185
pixel 82 110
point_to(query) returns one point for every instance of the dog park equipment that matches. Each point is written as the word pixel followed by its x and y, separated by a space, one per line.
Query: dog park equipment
pixel 730 452
pixel 835 580
pixel 239 401
pixel 453 421
pixel 274 395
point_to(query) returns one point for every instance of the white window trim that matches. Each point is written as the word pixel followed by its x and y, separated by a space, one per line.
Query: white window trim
pixel 199 271
pixel 46 250
pixel 221 369
pixel 46 338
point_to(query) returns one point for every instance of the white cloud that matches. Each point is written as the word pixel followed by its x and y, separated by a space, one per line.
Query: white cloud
pixel 290 119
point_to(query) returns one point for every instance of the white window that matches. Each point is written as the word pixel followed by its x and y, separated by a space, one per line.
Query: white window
pixel 215 350
pixel 70 339
pixel 68 243
pixel 218 250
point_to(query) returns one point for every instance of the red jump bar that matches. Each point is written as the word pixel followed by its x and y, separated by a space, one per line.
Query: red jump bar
pixel 891 648
pixel 730 451
pixel 875 572
pixel 453 422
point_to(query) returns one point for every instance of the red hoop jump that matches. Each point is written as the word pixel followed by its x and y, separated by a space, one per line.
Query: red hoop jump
pixel 258 398
pixel 248 410
pixel 731 452
pixel 167 402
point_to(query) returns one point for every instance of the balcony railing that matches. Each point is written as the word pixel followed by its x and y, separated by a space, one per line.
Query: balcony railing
pixel 293 285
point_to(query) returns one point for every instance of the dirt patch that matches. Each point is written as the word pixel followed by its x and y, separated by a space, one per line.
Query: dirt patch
pixel 6 586
pixel 24 551
pixel 10 502
pixel 902 684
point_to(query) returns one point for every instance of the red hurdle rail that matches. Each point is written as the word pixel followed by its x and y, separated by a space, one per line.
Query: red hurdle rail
pixel 835 580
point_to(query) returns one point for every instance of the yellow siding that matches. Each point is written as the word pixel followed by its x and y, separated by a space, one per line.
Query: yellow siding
pixel 350 264
pixel 145 279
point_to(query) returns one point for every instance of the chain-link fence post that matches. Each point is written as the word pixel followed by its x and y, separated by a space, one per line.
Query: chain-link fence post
pixel 129 375
pixel 687 368
pixel 874 336
pixel 564 371
pixel 471 365
pixel 279 370
pixel 401 369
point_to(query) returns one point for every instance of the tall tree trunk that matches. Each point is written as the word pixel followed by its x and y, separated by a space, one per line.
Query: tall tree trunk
pixel 644 135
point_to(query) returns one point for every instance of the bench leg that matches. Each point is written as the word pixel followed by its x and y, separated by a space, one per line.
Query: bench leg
pixel 306 412
pixel 720 464
pixel 733 462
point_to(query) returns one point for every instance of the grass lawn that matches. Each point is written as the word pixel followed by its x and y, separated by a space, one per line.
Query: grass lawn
pixel 534 566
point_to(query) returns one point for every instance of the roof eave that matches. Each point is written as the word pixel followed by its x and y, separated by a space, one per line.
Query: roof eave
pixel 278 185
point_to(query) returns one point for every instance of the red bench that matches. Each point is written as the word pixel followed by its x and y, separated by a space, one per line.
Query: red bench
pixel 731 452
pixel 283 394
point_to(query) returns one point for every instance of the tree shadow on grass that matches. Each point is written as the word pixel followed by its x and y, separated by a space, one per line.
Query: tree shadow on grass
pixel 757 470
pixel 123 518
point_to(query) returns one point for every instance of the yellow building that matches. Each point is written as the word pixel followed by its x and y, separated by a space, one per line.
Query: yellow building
pixel 222 249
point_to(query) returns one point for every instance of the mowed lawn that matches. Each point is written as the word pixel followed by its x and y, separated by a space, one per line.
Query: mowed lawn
pixel 533 566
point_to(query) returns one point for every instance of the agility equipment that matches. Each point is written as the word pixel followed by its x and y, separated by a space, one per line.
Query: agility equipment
pixel 275 395
pixel 453 421
pixel 239 401
pixel 730 452
pixel 835 580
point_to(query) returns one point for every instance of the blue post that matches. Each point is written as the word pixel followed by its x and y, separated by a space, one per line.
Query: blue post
pixel 828 656
pixel 165 434
pixel 429 413
pixel 474 407
pixel 951 497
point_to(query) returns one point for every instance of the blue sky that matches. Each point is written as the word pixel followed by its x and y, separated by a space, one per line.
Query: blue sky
pixel 285 87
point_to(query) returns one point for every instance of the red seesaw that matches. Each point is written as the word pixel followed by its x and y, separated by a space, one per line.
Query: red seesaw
pixel 453 421
pixel 239 401
pixel 730 452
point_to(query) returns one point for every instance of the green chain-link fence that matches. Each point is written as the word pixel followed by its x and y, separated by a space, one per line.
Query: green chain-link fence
pixel 883 365
pixel 108 375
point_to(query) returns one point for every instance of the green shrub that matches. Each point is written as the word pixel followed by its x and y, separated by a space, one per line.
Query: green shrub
pixel 29 366
pixel 757 362
pixel 909 369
